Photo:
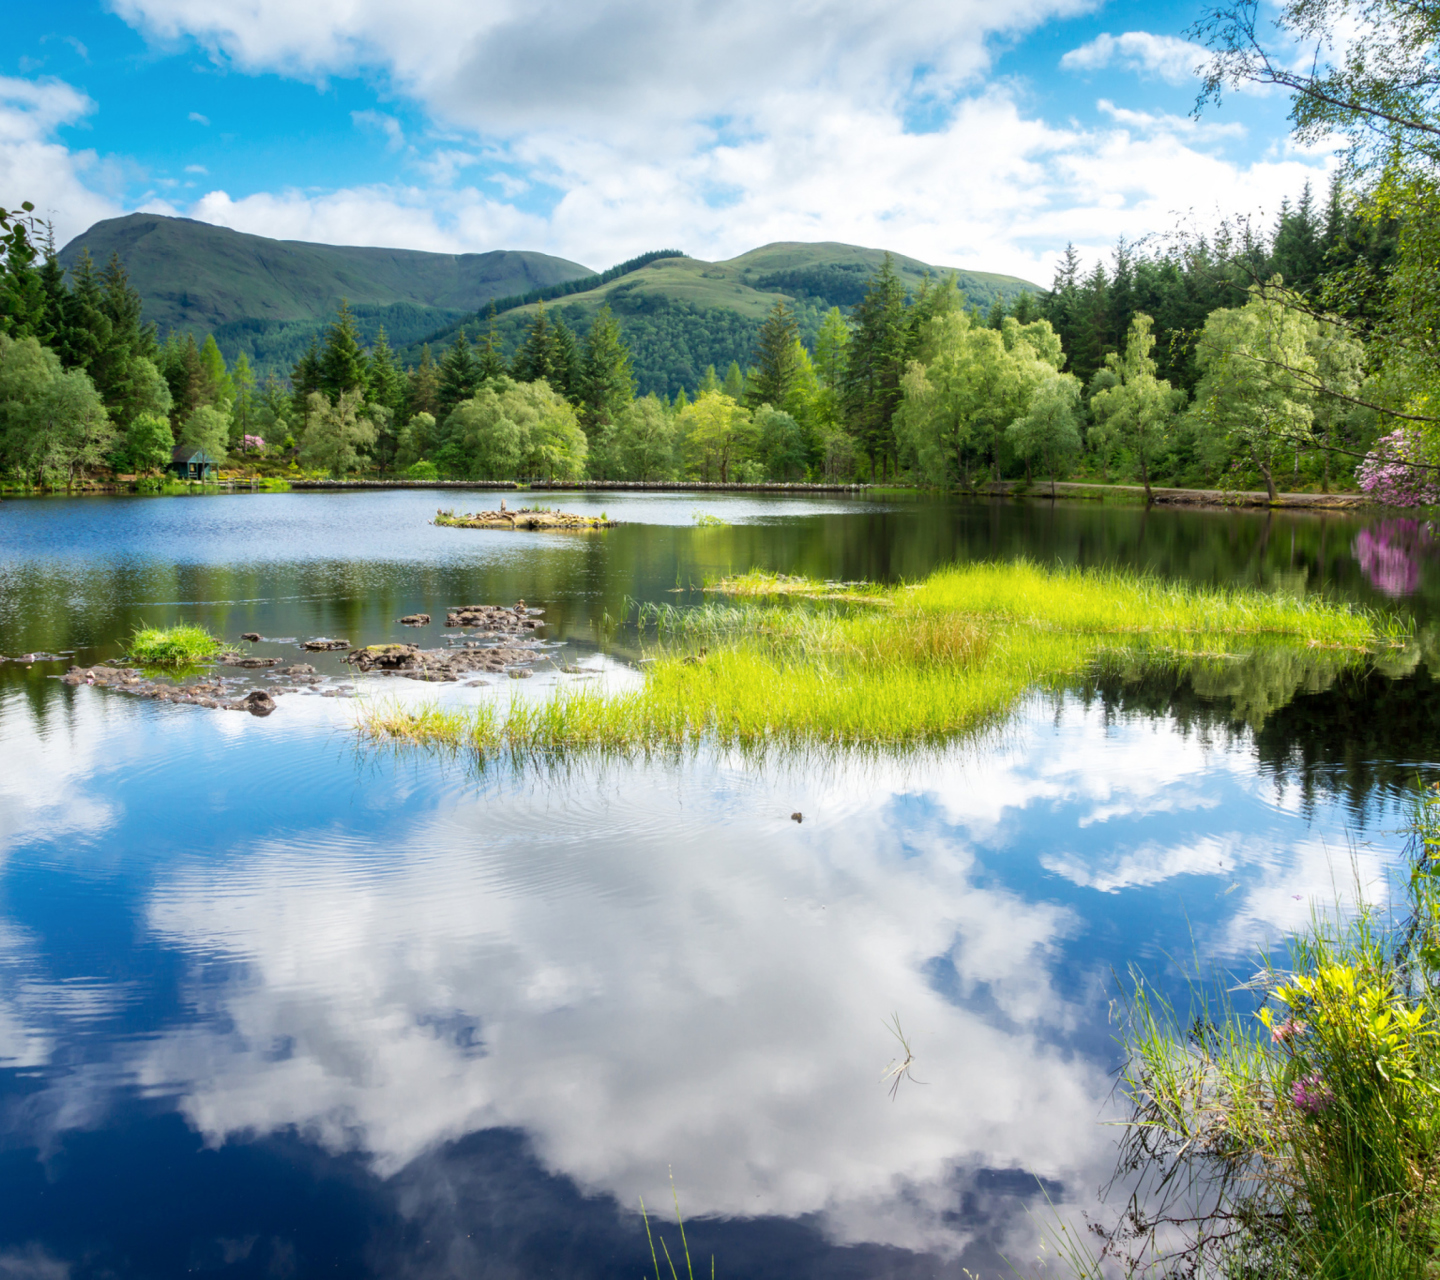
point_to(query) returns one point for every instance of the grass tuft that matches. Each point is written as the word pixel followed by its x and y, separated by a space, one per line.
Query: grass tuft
pixel 180 646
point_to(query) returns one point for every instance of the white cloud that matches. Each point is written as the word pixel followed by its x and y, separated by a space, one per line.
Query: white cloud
pixel 35 167
pixel 1165 58
pixel 382 123
pixel 196 168
pixel 196 118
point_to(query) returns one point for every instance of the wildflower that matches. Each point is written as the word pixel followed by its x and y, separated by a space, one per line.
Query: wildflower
pixel 1311 1095
pixel 1288 1030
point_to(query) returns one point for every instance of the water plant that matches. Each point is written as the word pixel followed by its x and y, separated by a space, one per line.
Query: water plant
pixel 801 663
pixel 178 646
pixel 1299 1136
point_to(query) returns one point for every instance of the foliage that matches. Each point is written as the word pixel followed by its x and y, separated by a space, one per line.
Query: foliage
pixel 1048 432
pixel 718 433
pixel 336 433
pixel 1137 408
pixel 149 443
pixel 52 421
pixel 207 428
pixel 179 646
pixel 510 429
pixel 606 381
pixel 640 445
pixel 1301 1140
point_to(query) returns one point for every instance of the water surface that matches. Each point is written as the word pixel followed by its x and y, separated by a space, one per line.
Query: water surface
pixel 274 1005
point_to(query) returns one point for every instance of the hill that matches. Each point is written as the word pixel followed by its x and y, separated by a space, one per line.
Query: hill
pixel 681 314
pixel 268 297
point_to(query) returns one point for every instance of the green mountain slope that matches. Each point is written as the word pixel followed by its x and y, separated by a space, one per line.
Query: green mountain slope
pixel 681 314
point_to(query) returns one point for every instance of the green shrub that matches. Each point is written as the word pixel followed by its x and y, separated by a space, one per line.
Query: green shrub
pixel 173 646
pixel 423 470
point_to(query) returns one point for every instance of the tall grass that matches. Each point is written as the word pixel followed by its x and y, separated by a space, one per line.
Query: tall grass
pixel 179 646
pixel 1302 1139
pixel 798 663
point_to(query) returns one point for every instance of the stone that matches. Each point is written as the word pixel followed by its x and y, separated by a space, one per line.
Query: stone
pixel 323 643
pixel 258 703
pixel 415 620
pixel 251 636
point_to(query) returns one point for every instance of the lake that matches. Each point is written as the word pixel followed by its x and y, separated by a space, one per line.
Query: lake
pixel 274 1004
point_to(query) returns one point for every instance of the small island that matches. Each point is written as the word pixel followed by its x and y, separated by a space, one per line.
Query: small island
pixel 523 518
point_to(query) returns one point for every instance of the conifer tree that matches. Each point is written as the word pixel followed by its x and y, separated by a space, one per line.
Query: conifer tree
pixel 87 327
pixel 492 354
pixel 565 376
pixel 219 389
pixel 708 381
pixel 734 384
pixel 879 349
pixel 342 365
pixel 305 379
pixel 536 358
pixel 459 375
pixel 607 380
pixel 423 394
pixel 775 365
pixel 51 333
pixel 680 401
pixel 242 412
pixel 22 292
pixel 384 379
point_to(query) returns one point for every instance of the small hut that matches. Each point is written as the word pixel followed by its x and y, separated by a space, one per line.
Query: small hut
pixel 194 464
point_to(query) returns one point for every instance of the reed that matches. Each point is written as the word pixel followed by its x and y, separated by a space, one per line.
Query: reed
pixel 796 663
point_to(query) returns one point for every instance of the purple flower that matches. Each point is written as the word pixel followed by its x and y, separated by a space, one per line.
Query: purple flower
pixel 1390 473
pixel 1288 1030
pixel 1311 1095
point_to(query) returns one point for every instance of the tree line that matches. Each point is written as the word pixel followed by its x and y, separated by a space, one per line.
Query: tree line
pixel 1284 356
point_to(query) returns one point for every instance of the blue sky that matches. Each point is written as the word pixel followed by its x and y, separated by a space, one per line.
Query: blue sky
pixel 958 131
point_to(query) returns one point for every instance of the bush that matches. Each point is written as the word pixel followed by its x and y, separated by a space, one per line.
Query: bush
pixel 173 646
pixel 423 470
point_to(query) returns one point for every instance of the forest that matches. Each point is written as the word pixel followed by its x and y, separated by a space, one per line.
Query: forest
pixel 1295 354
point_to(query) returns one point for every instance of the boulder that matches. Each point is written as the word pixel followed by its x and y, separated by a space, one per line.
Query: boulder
pixel 258 703
pixel 415 620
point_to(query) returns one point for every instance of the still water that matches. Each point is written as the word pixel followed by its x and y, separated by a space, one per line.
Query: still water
pixel 274 1005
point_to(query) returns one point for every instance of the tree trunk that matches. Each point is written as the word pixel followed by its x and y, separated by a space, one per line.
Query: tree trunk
pixel 1145 480
pixel 995 456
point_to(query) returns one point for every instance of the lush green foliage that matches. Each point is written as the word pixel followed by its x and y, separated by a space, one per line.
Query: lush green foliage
pixel 179 646
pixel 1300 1140
pixel 902 666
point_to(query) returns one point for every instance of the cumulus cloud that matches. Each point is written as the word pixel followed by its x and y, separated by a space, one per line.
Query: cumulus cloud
pixel 1165 58
pixel 36 167
pixel 627 65
pixel 196 118
pixel 381 123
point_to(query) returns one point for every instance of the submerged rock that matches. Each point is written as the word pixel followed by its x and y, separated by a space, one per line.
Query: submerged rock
pixel 415 620
pixel 258 703
pixel 323 643
pixel 251 636
pixel 249 664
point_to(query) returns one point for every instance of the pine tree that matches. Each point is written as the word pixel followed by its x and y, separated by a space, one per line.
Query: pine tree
pixel 996 318
pixel 708 381
pixel 565 376
pixel 536 357
pixel 242 412
pixel 459 375
pixel 51 332
pixel 219 389
pixel 386 383
pixel 87 327
pixel 423 393
pixel 607 380
pixel 734 384
pixel 342 365
pixel 775 365
pixel 878 352
pixel 305 380
pixel 22 292
pixel 492 354
pixel 680 401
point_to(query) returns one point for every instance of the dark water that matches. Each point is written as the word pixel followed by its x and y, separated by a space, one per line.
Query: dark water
pixel 272 1005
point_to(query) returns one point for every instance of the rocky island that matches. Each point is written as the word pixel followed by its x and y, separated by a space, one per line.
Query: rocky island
pixel 522 518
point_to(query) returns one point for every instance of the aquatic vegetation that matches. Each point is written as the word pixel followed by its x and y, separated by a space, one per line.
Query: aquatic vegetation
pixel 180 646
pixel 858 665
pixel 1303 1138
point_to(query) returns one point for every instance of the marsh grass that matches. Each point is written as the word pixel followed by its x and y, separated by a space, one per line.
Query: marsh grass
pixel 794 663
pixel 1290 1125
pixel 181 646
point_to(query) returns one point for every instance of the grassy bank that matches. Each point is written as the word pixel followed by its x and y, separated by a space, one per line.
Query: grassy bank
pixel 799 663
pixel 1300 1138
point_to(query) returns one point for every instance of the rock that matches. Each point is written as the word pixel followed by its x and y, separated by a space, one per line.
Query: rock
pixel 415 620
pixel 517 674
pixel 258 703
pixel 299 669
pixel 249 664
pixel 386 657
pixel 797 817
pixel 323 644
pixel 251 636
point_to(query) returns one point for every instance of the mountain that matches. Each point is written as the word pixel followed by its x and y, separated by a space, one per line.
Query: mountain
pixel 271 298
pixel 681 314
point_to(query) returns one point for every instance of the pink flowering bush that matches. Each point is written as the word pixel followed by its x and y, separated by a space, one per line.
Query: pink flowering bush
pixel 252 444
pixel 1391 553
pixel 1394 473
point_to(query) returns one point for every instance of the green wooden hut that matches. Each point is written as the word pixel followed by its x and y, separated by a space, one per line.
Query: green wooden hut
pixel 194 464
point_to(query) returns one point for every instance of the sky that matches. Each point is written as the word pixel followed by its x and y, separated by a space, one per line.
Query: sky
pixel 964 133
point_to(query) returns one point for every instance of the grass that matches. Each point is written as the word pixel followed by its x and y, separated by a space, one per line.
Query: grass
pixel 798 663
pixel 181 646
pixel 1302 1139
